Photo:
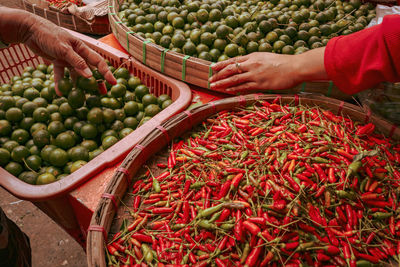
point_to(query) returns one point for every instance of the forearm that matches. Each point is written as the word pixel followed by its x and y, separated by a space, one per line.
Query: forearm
pixel 15 25
pixel 310 66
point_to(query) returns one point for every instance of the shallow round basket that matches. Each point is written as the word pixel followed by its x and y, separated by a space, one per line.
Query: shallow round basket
pixel 104 216
pixel 99 25
pixel 190 69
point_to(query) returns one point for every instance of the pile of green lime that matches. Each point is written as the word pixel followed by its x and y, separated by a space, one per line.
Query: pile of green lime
pixel 216 30
pixel 44 137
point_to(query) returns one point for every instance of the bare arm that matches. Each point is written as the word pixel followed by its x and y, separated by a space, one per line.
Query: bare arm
pixel 268 71
pixel 51 42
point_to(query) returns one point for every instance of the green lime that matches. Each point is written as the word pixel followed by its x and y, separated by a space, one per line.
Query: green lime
pixel 53 170
pixel 14 168
pixel 56 116
pixel 58 157
pixel 78 126
pixel 65 140
pixel 131 122
pixel 140 115
pixel 140 91
pixel 109 132
pixel 133 82
pixel 6 102
pixel 125 132
pixel 148 99
pixel 78 153
pixel 109 141
pixel 31 93
pixel 88 85
pixel 88 131
pixel 202 15
pixel 76 98
pixel 20 135
pixel 10 145
pixel 5 128
pixel 163 98
pixel 41 114
pixel 34 150
pixel 118 90
pixel 144 120
pixel 131 108
pixel 41 138
pixel 33 162
pixel 81 113
pixel 69 122
pixel 55 128
pixel 95 153
pixel 151 110
pixel 19 153
pixel 45 178
pixel 231 50
pixel 39 74
pixel 117 125
pixel 52 108
pixel 76 165
pixel 95 116
pixel 166 103
pixel 42 68
pixel 90 145
pixel 93 101
pixel 108 115
pixel 40 101
pixel 122 73
pixel 265 47
pixel 28 177
pixel 18 89
pixel 4 157
pixel 37 126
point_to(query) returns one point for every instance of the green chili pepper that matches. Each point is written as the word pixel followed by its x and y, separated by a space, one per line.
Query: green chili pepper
pixel 353 168
pixel 363 184
pixel 206 225
pixel 147 253
pixel 320 160
pixel 345 194
pixel 156 186
pixel 178 226
pixel 364 263
pixel 381 215
pixel 197 185
pixel 227 226
pixel 245 253
pixel 282 157
pixel 208 212
pixel 215 216
pixel 244 155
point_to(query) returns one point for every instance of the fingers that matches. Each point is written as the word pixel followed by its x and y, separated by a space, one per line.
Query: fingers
pixel 244 87
pixel 231 81
pixel 220 65
pixel 58 75
pixel 95 59
pixel 102 88
pixel 77 63
pixel 229 70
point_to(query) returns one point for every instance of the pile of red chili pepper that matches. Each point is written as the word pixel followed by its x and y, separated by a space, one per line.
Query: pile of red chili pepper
pixel 63 3
pixel 268 185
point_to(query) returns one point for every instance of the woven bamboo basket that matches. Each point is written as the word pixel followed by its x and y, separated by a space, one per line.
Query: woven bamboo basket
pixel 190 69
pixel 104 222
pixel 99 26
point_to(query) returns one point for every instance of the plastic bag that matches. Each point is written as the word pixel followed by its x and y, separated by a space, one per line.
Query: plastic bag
pixel 383 100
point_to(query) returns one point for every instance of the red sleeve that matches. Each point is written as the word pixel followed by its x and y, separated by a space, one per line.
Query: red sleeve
pixel 363 59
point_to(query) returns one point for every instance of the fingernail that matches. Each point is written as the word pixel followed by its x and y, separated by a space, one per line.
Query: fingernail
pixel 87 72
pixel 212 85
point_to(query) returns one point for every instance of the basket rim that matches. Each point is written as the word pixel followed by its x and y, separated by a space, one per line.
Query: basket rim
pixel 137 157
pixel 45 192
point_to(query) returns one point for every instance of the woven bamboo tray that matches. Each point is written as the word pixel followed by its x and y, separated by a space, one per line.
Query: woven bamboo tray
pixel 103 217
pixel 99 26
pixel 189 69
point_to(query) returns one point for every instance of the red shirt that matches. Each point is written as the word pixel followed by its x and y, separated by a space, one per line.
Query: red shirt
pixel 363 59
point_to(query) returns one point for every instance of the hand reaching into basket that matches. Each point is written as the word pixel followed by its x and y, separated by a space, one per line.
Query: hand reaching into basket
pixel 53 43
pixel 267 71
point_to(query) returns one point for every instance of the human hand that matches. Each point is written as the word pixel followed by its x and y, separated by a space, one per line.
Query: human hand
pixel 267 71
pixel 64 50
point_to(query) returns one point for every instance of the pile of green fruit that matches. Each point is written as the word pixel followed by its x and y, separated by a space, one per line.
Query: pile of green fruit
pixel 217 30
pixel 44 137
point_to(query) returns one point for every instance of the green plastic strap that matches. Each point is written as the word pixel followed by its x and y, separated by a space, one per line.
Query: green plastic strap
pixel 145 42
pixel 303 87
pixel 330 87
pixel 210 73
pixel 110 6
pixel 163 59
pixel 112 13
pixel 127 39
pixel 118 22
pixel 184 67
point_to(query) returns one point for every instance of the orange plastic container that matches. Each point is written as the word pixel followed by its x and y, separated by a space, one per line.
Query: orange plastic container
pixel 15 58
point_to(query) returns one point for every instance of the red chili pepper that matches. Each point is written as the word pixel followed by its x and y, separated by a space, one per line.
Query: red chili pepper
pixel 254 254
pixel 224 189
